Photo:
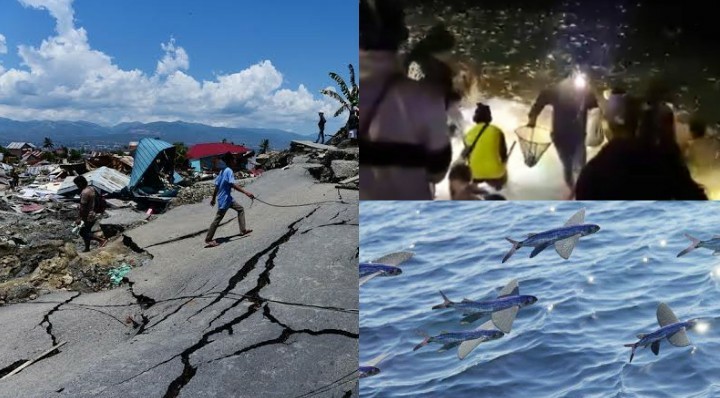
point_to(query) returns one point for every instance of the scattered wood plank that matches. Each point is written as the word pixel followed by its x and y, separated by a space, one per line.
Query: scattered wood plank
pixel 32 361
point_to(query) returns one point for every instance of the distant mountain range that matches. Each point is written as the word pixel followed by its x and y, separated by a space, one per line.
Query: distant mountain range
pixel 81 133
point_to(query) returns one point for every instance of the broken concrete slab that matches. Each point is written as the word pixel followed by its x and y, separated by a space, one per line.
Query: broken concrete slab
pixel 123 218
pixel 344 168
pixel 311 145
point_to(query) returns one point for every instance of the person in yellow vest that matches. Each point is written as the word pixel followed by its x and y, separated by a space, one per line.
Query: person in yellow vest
pixel 488 158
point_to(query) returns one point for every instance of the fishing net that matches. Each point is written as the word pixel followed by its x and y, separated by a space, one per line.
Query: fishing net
pixel 534 142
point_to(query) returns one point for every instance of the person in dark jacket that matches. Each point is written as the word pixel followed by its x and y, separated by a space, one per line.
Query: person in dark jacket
pixel 321 126
pixel 634 167
pixel 571 100
pixel 353 124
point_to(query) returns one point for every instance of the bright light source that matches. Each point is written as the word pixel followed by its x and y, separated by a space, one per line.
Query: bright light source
pixel 716 272
pixel 552 209
pixel 550 307
pixel 645 259
pixel 663 243
pixel 591 279
pixel 701 327
pixel 580 81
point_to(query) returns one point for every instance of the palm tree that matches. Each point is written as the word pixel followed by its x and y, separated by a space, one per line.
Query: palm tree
pixel 264 146
pixel 351 95
pixel 48 144
pixel 180 153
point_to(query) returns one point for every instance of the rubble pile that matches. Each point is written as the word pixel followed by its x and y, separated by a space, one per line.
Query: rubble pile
pixel 193 194
pixel 334 164
pixel 39 252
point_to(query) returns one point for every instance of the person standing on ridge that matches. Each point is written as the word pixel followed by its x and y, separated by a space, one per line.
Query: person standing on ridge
pixel 321 126
pixel 353 124
pixel 571 100
pixel 224 184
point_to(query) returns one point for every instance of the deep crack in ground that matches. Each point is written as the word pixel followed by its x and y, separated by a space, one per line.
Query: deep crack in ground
pixel 249 265
pixel 46 319
pixel 189 370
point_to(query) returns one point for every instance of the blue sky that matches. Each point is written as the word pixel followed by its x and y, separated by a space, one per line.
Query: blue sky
pixel 233 63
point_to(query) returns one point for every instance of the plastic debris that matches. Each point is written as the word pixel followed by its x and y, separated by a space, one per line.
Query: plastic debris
pixel 118 273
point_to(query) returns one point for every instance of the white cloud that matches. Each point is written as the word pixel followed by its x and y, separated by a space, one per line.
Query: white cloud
pixel 3 45
pixel 175 59
pixel 64 78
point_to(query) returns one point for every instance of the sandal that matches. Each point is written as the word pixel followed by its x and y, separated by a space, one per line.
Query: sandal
pixel 212 243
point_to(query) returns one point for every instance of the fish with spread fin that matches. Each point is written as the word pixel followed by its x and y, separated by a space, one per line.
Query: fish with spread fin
pixel 564 238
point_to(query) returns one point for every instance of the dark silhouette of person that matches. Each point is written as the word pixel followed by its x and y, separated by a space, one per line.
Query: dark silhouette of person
pixel 321 126
pixel 638 167
pixel 353 124
pixel 571 100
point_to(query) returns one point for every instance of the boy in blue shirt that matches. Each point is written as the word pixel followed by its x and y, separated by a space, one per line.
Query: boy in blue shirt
pixel 224 184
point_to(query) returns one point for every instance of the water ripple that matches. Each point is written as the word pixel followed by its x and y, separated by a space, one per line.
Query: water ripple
pixel 570 343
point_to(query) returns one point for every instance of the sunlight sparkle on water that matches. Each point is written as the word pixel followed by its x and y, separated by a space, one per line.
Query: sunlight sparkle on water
pixel 552 209
pixel 550 307
pixel 412 245
pixel 663 243
pixel 591 279
pixel 646 259
pixel 716 272
pixel 702 327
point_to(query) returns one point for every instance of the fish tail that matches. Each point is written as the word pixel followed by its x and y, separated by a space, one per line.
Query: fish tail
pixel 426 340
pixel 632 352
pixel 446 302
pixel 516 245
pixel 694 243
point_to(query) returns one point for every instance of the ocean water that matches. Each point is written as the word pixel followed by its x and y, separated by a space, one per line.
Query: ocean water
pixel 569 343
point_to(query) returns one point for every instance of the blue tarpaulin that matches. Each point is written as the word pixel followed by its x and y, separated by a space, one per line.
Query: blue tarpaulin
pixel 147 151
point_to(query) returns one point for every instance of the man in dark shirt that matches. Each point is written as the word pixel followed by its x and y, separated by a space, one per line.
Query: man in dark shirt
pixel 571 100
pixel 321 126
pixel 87 216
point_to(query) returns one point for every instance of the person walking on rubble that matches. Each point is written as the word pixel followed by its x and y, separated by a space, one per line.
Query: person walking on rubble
pixel 89 209
pixel 224 184
pixel 14 179
pixel 321 126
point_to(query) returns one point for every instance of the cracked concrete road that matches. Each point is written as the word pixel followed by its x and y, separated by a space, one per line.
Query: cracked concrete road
pixel 272 314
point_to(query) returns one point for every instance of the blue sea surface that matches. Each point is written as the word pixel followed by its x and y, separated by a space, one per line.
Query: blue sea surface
pixel 569 343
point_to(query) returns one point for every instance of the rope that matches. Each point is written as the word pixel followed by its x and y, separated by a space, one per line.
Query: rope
pixel 300 205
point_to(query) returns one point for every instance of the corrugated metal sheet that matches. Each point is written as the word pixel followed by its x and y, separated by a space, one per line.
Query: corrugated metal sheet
pixel 105 179
pixel 19 145
pixel 147 151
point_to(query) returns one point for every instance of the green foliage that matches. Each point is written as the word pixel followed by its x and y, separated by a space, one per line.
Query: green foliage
pixel 264 146
pixel 48 144
pixel 350 95
pixel 49 156
pixel 75 155
pixel 180 154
